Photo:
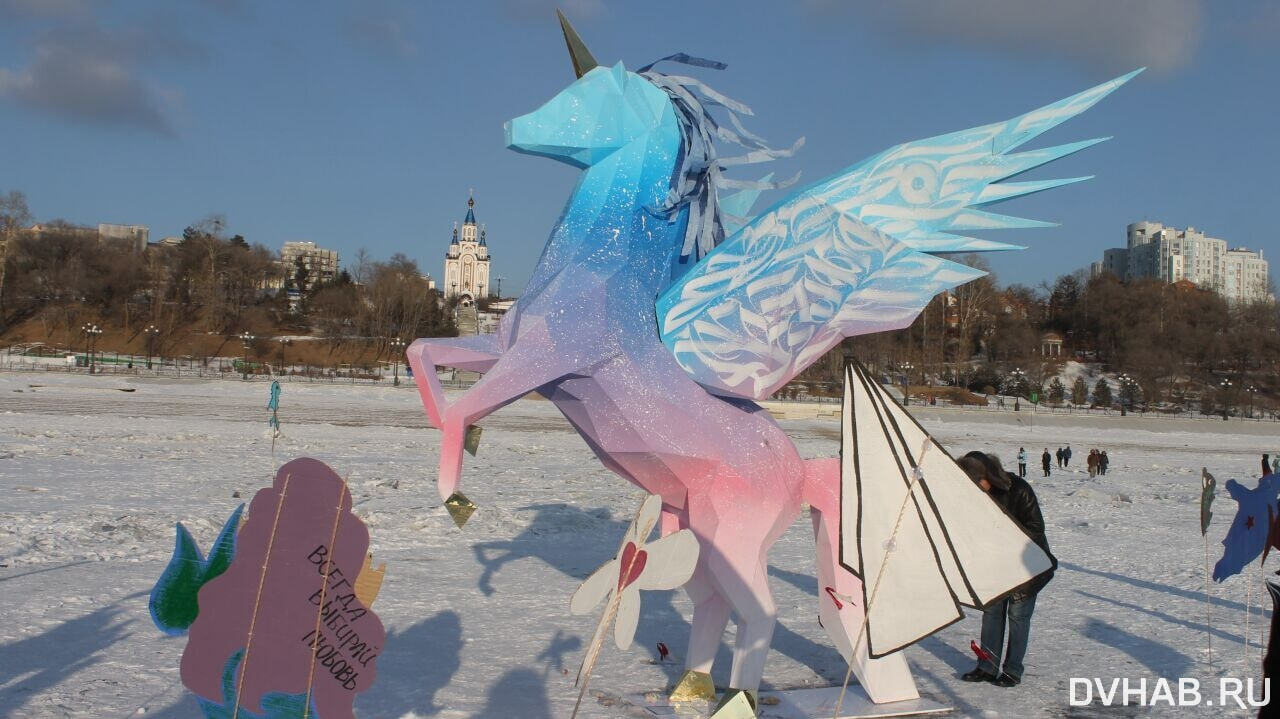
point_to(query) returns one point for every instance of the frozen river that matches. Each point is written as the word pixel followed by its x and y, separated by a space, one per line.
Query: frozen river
pixel 93 478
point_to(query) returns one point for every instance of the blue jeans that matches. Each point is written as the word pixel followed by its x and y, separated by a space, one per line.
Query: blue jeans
pixel 1018 613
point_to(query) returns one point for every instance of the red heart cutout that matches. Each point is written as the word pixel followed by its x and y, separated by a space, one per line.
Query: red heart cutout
pixel 633 561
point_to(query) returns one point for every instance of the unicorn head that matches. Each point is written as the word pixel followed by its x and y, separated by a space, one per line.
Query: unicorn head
pixel 603 111
pixel 661 119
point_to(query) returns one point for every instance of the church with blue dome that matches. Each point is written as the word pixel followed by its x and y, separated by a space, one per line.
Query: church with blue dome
pixel 466 263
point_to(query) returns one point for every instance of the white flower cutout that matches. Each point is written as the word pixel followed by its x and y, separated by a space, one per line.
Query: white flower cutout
pixel 665 564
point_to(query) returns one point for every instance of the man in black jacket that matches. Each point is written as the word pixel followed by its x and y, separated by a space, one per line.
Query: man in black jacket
pixel 1018 500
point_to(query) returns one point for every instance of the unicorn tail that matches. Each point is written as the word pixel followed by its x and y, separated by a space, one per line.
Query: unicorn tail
pixel 840 596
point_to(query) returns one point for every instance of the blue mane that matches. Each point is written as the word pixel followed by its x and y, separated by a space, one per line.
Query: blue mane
pixel 697 178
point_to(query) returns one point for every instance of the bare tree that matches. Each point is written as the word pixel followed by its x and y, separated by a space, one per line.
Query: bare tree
pixel 14 215
pixel 361 266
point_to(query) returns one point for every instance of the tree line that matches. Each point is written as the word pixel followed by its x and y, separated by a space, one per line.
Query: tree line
pixel 61 276
pixel 1174 343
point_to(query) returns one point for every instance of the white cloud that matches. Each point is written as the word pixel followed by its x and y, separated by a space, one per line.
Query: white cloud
pixel 541 10
pixel 1112 35
pixel 383 30
pixel 44 8
pixel 91 74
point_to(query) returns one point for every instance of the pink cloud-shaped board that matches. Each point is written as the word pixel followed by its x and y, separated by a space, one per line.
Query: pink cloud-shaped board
pixel 299 634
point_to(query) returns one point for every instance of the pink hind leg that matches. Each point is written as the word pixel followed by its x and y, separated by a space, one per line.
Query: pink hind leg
pixel 886 679
pixel 757 618
pixel 732 564
pixel 710 617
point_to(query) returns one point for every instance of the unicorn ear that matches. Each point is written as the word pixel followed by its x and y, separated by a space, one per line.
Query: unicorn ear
pixel 619 74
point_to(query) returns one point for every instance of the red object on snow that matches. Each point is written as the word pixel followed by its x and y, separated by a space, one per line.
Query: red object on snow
pixel 983 654
pixel 663 653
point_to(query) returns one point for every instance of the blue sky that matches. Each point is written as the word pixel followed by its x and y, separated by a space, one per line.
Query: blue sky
pixel 364 124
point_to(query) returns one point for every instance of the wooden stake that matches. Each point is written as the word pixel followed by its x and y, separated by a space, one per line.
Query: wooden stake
pixel 1248 607
pixel 1208 603
pixel 611 611
pixel 257 600
pixel 324 589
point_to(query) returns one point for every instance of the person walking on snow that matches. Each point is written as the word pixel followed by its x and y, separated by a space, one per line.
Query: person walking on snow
pixel 1103 461
pixel 1015 496
pixel 1092 462
pixel 1022 462
pixel 1045 460
pixel 1058 454
pixel 1066 457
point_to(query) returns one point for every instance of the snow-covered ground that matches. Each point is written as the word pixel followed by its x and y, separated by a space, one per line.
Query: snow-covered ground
pixel 93 478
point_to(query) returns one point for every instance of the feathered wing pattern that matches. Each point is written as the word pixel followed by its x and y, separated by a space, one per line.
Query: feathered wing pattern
pixel 850 255
pixel 923 192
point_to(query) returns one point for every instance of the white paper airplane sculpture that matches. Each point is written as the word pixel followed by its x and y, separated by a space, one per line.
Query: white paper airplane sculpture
pixel 922 537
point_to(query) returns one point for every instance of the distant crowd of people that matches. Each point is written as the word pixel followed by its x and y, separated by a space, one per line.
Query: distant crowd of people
pixel 1097 461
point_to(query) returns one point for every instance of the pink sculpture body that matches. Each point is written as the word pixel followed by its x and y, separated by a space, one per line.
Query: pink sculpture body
pixel 652 323
pixel 583 335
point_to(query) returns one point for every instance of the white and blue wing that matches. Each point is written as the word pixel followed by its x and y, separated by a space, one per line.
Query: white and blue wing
pixel 925 192
pixel 775 297
pixel 850 255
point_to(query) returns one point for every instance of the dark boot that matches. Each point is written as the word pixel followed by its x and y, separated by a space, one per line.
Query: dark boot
pixel 1006 680
pixel 978 675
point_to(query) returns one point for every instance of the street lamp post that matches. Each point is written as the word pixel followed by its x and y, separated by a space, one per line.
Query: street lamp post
pixel 1226 398
pixel 247 339
pixel 151 331
pixel 283 342
pixel 93 352
pixel 1128 390
pixel 906 387
pixel 1252 391
pixel 397 349
pixel 91 333
pixel 1017 378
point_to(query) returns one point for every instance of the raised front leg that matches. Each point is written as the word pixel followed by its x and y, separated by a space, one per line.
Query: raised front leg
pixel 477 353
pixel 520 370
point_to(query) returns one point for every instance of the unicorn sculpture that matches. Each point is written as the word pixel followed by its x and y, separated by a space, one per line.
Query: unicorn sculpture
pixel 654 318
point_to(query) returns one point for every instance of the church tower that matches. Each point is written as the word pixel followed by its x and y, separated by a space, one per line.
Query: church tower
pixel 466 264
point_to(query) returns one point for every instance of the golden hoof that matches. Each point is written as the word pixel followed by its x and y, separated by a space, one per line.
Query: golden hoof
pixel 460 508
pixel 693 687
